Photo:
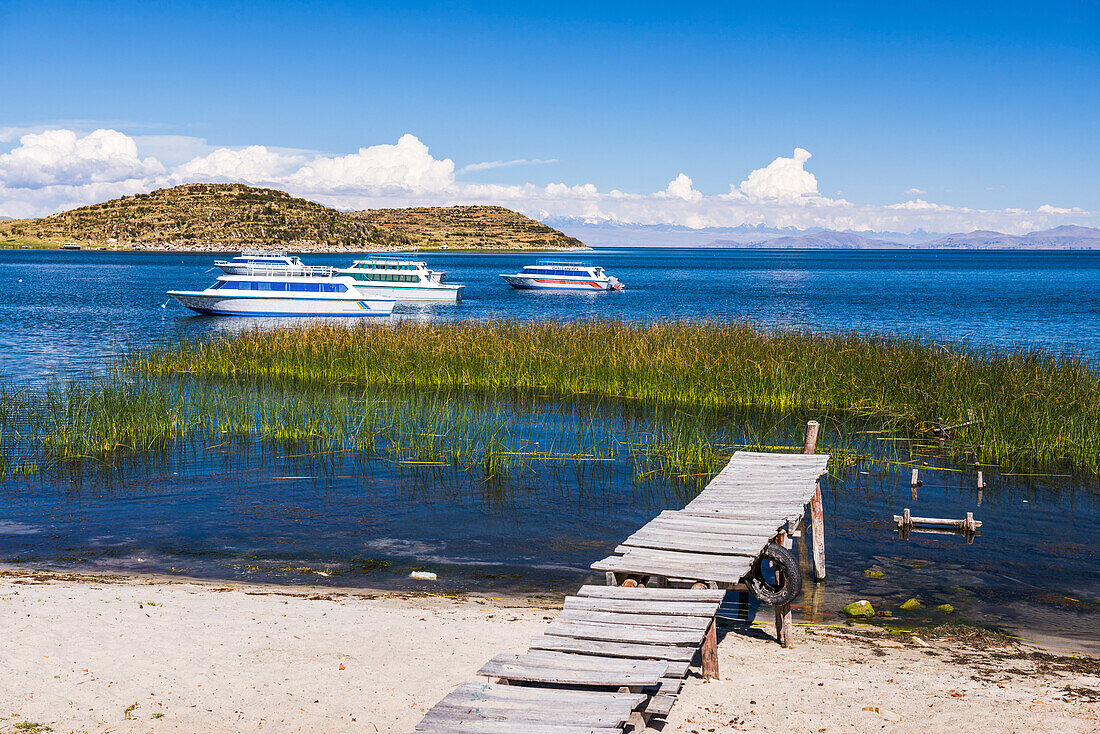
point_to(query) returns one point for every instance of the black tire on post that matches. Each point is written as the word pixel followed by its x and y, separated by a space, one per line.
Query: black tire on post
pixel 788 576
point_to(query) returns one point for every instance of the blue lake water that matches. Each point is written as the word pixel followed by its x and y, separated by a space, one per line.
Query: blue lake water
pixel 73 309
pixel 259 513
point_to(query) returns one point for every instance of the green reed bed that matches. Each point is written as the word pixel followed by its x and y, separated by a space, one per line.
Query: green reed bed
pixel 1034 408
pixel 103 419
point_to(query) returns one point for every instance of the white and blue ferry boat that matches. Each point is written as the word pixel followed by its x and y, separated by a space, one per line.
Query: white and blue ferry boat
pixel 563 275
pixel 258 290
pixel 251 261
pixel 402 278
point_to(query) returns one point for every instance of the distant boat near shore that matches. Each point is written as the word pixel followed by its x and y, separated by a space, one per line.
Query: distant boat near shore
pixel 69 246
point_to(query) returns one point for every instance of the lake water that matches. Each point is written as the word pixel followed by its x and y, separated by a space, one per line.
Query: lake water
pixel 259 513
pixel 73 309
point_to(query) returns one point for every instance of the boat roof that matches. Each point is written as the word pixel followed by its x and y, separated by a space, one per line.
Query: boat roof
pixel 407 259
pixel 264 253
pixel 571 263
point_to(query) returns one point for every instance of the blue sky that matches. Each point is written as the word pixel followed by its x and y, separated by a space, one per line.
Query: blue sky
pixel 987 106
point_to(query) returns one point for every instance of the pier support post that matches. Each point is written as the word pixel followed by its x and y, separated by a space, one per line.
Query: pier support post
pixel 817 511
pixel 709 652
pixel 784 626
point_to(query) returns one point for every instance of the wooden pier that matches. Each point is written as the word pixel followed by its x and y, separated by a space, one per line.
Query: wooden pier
pixel 617 655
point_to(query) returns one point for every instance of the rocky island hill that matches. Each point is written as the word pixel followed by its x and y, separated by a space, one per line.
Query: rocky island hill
pixel 231 217
pixel 468 227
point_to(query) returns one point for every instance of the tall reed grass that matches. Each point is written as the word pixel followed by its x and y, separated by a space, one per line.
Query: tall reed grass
pixel 103 419
pixel 1034 408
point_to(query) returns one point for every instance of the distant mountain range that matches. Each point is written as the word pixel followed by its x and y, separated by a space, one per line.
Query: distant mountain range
pixel 614 234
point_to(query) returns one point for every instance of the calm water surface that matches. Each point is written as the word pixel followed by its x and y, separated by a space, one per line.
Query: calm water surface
pixel 262 514
pixel 73 309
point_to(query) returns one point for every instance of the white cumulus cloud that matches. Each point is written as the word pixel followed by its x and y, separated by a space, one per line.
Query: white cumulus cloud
pixel 405 168
pixel 783 178
pixel 255 164
pixel 681 188
pixel 52 170
pixel 61 157
pixel 914 192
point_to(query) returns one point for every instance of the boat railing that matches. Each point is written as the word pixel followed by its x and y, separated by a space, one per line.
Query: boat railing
pixel 264 253
pixel 569 263
pixel 283 271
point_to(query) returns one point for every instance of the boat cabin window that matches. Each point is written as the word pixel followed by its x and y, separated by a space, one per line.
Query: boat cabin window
pixel 247 285
pixel 387 277
pixel 551 271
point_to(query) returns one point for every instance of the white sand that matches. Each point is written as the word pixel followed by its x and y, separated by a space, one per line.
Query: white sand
pixel 76 654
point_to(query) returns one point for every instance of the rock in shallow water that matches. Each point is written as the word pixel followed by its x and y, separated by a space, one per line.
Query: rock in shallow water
pixel 859 609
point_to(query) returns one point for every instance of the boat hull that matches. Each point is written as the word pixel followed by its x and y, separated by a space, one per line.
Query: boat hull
pixel 245 305
pixel 560 283
pixel 441 294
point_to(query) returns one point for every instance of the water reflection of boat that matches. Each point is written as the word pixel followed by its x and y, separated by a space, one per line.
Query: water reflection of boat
pixel 305 291
pixel 403 278
pixel 562 275
pixel 253 261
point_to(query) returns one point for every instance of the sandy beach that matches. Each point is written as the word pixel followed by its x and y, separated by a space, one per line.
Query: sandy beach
pixel 114 654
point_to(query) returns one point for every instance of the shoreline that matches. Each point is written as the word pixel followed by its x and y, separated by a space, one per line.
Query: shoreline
pixel 130 654
pixel 56 247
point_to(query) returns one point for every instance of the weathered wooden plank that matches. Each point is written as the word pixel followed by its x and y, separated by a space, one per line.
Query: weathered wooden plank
pixel 504 727
pixel 642 606
pixel 641 675
pixel 672 564
pixel 623 633
pixel 677 519
pixel 473 691
pixel 672 669
pixel 671 653
pixel 528 712
pixel 721 513
pixel 641 592
pixel 661 704
pixel 569 661
pixel 670 685
pixel 649 567
pixel 696 542
pixel 669 621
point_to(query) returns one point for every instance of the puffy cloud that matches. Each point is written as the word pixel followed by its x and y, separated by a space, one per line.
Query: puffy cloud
pixel 51 170
pixel 1048 209
pixel 681 188
pixel 255 164
pixel 783 178
pixel 914 192
pixel 405 168
pixel 61 157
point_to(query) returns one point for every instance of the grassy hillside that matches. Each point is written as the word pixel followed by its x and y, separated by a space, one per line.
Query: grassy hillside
pixel 234 216
pixel 204 216
pixel 467 227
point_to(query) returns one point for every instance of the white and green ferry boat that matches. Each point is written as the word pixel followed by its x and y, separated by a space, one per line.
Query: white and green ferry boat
pixel 401 278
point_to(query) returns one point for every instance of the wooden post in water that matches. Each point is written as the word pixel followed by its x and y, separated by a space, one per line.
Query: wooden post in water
pixel 817 512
